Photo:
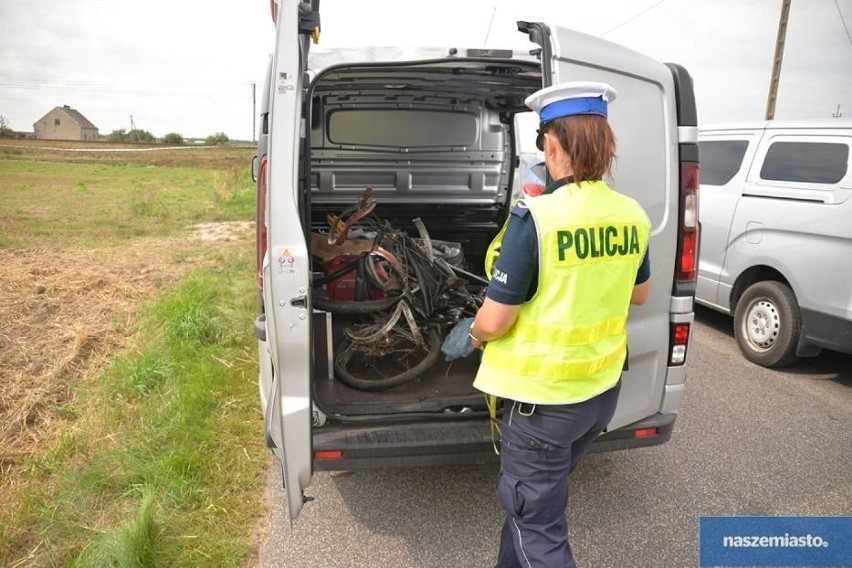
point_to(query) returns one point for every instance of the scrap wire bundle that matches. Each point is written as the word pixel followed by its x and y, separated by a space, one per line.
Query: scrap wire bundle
pixel 405 296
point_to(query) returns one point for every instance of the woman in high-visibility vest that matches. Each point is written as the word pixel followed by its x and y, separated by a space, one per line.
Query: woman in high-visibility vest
pixel 553 324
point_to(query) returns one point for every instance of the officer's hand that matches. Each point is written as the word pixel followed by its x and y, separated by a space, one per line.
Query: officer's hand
pixel 457 343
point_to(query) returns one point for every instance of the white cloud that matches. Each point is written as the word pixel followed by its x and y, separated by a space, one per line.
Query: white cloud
pixel 188 65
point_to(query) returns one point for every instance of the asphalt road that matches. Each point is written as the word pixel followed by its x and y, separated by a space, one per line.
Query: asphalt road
pixel 749 441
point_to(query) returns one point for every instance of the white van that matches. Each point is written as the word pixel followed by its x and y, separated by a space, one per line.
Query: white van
pixel 776 244
pixel 435 138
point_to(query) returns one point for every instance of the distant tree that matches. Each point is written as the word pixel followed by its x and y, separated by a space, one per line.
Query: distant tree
pixel 139 135
pixel 172 138
pixel 135 135
pixel 119 135
pixel 5 130
pixel 217 139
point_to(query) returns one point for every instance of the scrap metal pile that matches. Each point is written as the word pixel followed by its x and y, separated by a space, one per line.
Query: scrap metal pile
pixel 397 294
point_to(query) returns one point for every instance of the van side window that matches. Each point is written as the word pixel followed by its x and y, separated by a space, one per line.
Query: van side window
pixel 721 160
pixel 807 162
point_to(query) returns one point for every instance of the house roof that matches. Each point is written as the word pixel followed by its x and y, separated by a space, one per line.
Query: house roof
pixel 75 115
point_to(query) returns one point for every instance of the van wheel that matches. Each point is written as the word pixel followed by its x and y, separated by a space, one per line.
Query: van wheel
pixel 767 324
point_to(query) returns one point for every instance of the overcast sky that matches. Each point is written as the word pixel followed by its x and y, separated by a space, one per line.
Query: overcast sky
pixel 188 66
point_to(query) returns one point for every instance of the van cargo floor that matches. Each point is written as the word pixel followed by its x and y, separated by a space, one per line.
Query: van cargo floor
pixel 447 386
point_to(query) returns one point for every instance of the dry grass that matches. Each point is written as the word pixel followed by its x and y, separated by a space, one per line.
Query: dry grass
pixel 63 313
pixel 214 157
pixel 86 240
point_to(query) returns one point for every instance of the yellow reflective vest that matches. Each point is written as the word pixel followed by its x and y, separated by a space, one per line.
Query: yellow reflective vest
pixel 569 341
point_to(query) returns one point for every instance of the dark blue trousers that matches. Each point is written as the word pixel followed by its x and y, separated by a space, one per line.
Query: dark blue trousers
pixel 538 453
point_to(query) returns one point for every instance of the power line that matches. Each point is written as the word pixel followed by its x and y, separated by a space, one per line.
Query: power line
pixel 627 21
pixel 843 21
pixel 488 31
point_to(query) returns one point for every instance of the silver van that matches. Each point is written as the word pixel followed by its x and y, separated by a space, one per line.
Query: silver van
pixel 776 235
pixel 371 159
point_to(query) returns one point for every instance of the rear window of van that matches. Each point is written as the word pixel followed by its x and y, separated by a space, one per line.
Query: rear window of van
pixel 399 128
pixel 805 162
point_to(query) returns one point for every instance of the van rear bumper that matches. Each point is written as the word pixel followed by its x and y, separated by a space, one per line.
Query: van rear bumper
pixel 655 430
pixel 457 442
pixel 396 445
pixel 830 332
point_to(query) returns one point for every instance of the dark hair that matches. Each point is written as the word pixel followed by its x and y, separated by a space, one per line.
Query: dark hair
pixel 589 142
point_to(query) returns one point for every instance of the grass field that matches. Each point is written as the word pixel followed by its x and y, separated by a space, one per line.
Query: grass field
pixel 98 199
pixel 130 433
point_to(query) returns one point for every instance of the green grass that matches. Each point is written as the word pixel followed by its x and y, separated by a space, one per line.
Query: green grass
pixel 82 205
pixel 161 459
pixel 132 544
pixel 165 465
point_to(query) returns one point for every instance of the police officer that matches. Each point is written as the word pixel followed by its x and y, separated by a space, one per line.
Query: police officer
pixel 553 324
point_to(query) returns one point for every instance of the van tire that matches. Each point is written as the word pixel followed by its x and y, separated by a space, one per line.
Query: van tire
pixel 767 324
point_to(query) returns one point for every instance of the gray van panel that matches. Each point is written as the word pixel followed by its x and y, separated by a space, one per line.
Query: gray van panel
pixel 795 232
pixel 460 150
pixel 644 119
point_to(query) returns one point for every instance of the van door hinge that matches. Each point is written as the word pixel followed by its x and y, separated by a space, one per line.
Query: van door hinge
pixel 309 22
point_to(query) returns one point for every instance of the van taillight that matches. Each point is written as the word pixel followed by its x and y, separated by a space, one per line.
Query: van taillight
pixel 645 432
pixel 260 219
pixel 328 454
pixel 678 340
pixel 687 246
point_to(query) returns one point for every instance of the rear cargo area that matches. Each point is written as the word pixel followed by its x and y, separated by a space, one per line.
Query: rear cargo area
pixel 446 386
pixel 434 142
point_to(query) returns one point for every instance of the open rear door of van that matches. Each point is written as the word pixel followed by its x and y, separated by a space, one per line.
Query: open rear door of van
pixel 644 117
pixel 286 267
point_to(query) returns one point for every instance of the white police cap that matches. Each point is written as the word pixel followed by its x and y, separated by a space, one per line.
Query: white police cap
pixel 567 99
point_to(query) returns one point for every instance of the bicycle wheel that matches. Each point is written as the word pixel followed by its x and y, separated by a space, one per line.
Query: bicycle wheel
pixel 390 361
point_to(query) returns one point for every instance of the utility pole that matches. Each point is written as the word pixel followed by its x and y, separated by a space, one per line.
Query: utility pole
pixel 253 113
pixel 133 130
pixel 776 62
